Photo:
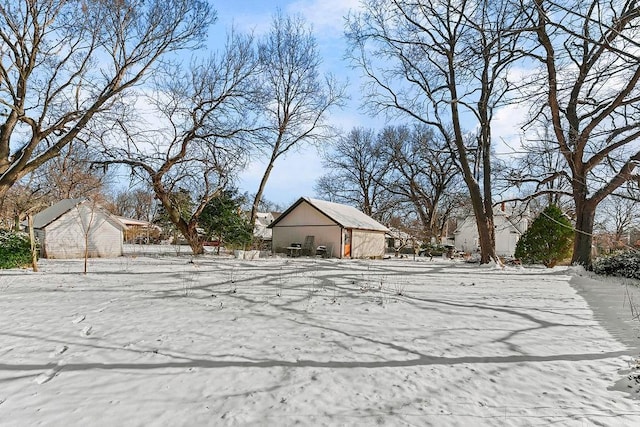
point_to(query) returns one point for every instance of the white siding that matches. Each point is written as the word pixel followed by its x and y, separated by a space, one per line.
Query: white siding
pixel 507 235
pixel 65 237
pixel 367 244
pixel 306 219
pixel 466 236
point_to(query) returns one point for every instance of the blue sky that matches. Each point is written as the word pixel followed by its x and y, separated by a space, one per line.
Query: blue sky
pixel 294 175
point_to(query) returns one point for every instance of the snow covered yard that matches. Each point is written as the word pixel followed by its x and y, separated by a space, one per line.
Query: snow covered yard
pixel 162 341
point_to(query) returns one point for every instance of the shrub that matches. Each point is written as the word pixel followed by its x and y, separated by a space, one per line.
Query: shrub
pixel 548 240
pixel 625 264
pixel 15 249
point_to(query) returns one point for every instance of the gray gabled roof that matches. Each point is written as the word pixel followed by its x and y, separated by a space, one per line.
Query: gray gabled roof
pixel 52 213
pixel 343 215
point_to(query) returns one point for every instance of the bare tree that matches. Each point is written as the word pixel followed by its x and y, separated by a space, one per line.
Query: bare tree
pixel 357 170
pixel 539 174
pixel 197 143
pixel 68 176
pixel 137 203
pixel 72 174
pixel 65 64
pixel 88 219
pixel 21 199
pixel 588 55
pixel 444 63
pixel 297 98
pixel 619 213
pixel 422 174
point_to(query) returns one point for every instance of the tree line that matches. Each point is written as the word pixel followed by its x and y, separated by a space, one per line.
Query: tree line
pixel 109 78
pixel 453 64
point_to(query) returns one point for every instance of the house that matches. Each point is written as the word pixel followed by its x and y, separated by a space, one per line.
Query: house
pixel 261 228
pixel 342 231
pixel 66 228
pixel 509 227
pixel 401 241
pixel 139 231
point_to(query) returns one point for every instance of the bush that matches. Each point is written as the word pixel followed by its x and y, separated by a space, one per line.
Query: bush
pixel 548 240
pixel 15 249
pixel 625 264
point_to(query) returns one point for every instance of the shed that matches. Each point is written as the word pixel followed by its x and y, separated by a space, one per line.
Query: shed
pixel 65 228
pixel 343 230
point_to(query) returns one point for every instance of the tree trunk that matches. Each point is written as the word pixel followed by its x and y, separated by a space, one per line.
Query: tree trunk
pixel 195 243
pixel 32 242
pixel 486 238
pixel 585 215
pixel 484 223
pixel 190 233
pixel 5 185
pixel 258 198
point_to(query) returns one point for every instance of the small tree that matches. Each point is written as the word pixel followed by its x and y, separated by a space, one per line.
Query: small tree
pixel 548 240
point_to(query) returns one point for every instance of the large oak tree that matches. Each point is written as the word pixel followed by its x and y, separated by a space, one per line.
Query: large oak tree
pixel 589 59
pixel 202 116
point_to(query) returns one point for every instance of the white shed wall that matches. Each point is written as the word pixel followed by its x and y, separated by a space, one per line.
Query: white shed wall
pixel 305 220
pixel 65 237
pixel 367 244
pixel 305 214
pixel 328 236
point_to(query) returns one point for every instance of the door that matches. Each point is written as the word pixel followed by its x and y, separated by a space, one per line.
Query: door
pixel 347 243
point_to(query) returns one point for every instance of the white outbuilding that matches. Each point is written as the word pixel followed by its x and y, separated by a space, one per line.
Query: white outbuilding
pixel 509 227
pixel 65 229
pixel 333 229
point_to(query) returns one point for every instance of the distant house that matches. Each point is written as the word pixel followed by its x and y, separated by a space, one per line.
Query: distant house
pixel 343 231
pixel 139 231
pixel 261 228
pixel 65 228
pixel 509 227
pixel 401 241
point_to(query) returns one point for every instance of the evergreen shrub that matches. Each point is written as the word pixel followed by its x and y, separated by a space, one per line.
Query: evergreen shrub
pixel 548 240
pixel 624 264
pixel 15 249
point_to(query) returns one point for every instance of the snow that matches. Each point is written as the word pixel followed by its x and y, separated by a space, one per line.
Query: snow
pixel 170 340
pixel 346 216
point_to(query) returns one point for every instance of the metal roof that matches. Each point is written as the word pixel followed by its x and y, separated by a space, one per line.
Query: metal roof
pixel 52 213
pixel 343 215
